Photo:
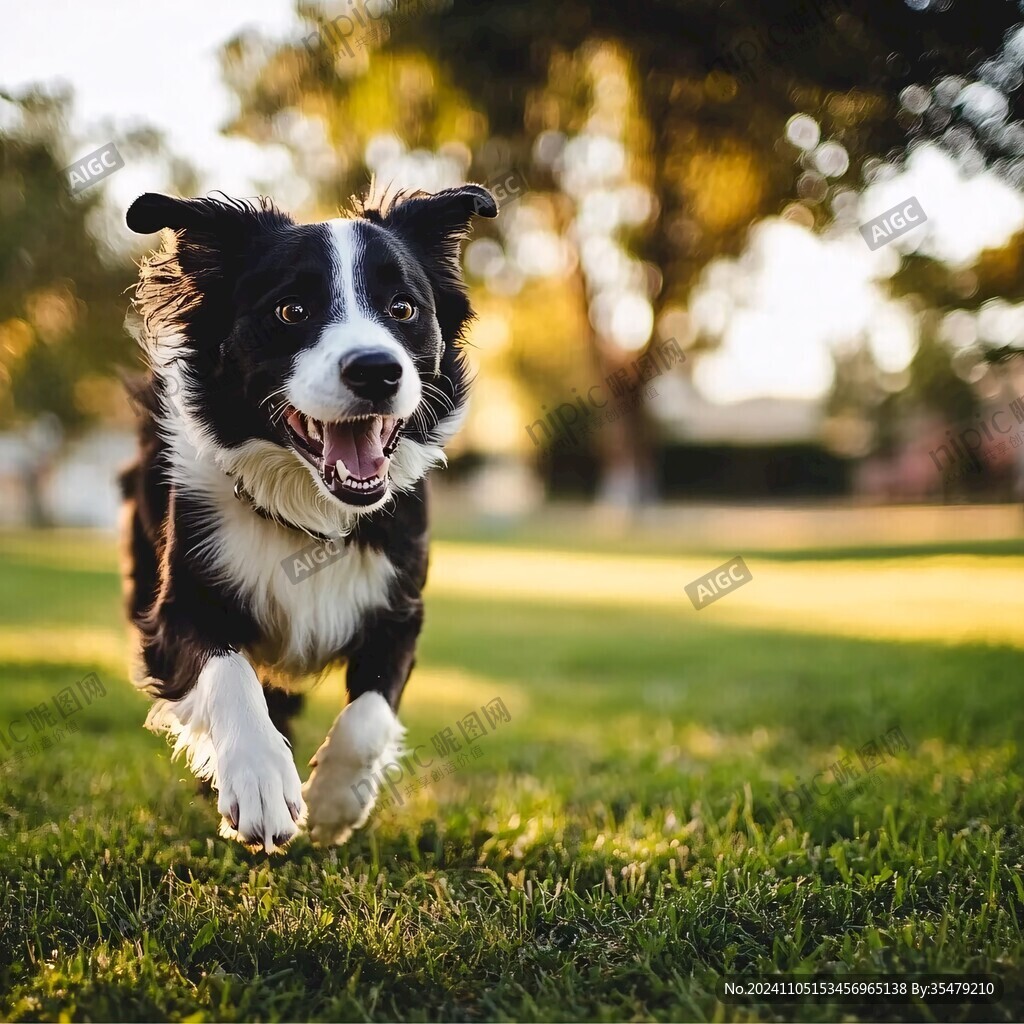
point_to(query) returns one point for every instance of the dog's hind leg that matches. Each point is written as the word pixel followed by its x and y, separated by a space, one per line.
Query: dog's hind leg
pixel 282 706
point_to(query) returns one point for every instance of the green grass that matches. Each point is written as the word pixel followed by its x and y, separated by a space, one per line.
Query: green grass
pixel 560 531
pixel 613 851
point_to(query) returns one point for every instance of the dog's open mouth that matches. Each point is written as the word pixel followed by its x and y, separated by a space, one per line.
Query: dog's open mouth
pixel 352 456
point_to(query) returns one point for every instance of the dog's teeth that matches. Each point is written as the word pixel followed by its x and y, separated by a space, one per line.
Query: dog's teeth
pixel 312 428
pixel 365 485
pixel 342 470
pixel 295 421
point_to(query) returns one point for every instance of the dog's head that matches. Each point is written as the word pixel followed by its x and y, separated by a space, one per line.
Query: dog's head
pixel 333 346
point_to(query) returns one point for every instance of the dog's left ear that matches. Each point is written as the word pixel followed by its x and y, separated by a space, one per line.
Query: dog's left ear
pixel 437 224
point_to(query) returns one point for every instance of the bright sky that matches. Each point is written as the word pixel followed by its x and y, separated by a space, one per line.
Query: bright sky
pixel 793 294
pixel 789 297
pixel 148 62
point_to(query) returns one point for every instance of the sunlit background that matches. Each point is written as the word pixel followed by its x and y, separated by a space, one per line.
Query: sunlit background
pixel 686 350
pixel 678 238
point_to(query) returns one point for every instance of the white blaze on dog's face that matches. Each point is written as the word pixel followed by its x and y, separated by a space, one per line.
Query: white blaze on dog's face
pixel 336 341
pixel 352 390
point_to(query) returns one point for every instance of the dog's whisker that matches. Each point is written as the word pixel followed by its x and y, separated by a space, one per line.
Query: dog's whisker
pixel 274 394
pixel 447 400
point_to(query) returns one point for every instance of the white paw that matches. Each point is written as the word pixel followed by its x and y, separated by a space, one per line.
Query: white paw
pixel 343 786
pixel 259 791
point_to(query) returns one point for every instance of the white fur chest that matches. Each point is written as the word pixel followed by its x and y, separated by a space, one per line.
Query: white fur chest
pixel 306 617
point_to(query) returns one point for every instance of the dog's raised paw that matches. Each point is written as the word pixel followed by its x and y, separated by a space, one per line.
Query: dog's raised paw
pixel 346 777
pixel 259 793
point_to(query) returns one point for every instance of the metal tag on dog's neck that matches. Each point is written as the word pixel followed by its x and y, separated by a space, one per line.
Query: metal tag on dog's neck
pixel 243 495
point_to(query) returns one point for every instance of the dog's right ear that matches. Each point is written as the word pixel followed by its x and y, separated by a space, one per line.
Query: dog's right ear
pixel 153 212
pixel 197 269
pixel 224 218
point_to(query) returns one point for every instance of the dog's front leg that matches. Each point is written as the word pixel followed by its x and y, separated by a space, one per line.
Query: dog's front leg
pixel 224 726
pixel 366 737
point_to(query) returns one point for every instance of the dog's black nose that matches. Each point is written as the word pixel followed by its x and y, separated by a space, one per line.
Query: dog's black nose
pixel 372 375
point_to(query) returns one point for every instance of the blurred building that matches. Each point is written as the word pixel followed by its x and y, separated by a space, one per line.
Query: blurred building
pixel 78 487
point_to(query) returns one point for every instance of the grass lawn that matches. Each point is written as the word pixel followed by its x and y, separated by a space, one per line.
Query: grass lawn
pixel 607 854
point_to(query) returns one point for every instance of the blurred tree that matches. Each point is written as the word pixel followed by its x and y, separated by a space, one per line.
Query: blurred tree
pixel 686 101
pixel 62 294
pixel 972 337
pixel 61 301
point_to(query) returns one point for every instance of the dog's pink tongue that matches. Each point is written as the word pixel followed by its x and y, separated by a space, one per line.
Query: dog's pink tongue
pixel 358 444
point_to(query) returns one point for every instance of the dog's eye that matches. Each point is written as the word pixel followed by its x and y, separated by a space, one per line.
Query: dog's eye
pixel 291 312
pixel 401 309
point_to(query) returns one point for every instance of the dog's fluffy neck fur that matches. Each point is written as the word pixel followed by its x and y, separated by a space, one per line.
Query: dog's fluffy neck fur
pixel 273 478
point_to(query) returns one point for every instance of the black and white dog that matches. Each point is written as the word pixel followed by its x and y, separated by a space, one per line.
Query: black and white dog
pixel 304 378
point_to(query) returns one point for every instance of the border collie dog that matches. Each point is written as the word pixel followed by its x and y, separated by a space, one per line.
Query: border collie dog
pixel 303 379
